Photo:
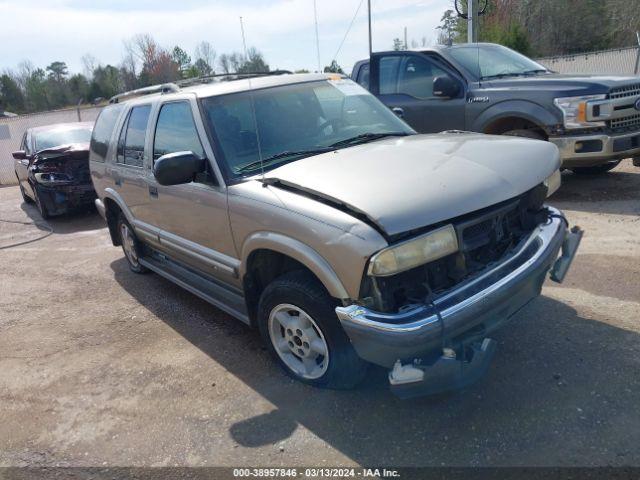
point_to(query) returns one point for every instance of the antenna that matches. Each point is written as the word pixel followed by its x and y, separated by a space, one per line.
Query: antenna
pixel 315 14
pixel 253 104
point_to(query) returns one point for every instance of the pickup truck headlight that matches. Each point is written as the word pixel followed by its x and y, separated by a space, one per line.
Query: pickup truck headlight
pixel 553 183
pixel 413 253
pixel 575 110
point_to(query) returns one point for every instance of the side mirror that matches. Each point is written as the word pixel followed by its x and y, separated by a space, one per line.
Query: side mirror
pixel 178 168
pixel 445 87
pixel 20 155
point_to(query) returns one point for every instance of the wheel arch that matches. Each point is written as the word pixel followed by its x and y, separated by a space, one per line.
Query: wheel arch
pixel 514 115
pixel 267 255
pixel 113 206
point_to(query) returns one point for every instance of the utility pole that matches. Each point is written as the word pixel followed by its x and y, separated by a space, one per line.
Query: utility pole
pixel 370 41
pixel 406 44
pixel 472 21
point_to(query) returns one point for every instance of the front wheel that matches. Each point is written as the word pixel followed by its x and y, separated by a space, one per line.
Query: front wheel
pixel 597 169
pixel 299 326
pixel 130 245
pixel 42 208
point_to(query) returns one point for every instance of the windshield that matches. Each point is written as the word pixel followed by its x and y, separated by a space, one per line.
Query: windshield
pixel 491 61
pixel 295 121
pixel 62 136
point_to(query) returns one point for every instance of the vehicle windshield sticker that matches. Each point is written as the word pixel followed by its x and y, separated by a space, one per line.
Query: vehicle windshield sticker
pixel 347 87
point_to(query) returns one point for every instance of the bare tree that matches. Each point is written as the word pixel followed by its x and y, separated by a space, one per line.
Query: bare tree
pixel 205 55
pixel 89 64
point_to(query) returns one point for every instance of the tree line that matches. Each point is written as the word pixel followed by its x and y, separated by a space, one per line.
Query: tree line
pixel 29 88
pixel 542 28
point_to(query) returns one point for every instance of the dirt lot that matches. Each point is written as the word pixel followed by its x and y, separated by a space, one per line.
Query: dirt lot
pixel 99 366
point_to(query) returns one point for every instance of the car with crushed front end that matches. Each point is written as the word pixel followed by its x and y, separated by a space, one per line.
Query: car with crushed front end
pixel 52 168
pixel 303 206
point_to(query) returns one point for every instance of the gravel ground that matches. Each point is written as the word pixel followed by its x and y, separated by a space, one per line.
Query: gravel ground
pixel 99 366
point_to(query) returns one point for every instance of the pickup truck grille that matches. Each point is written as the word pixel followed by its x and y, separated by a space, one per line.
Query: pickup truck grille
pixel 625 123
pixel 626 91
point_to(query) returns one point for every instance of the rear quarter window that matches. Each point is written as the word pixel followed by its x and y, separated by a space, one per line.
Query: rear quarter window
pixel 103 131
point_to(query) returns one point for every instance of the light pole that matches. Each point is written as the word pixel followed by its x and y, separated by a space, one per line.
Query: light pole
pixel 370 41
pixel 472 18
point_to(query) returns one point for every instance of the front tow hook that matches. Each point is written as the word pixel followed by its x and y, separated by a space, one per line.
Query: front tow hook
pixel 448 372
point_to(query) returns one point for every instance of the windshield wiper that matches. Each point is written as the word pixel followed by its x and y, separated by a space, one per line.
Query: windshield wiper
pixel 367 137
pixel 536 71
pixel 287 153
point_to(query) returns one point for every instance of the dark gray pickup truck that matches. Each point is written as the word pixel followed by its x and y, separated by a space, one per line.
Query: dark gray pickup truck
pixel 487 88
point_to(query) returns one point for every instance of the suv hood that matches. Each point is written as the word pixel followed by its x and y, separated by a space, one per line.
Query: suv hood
pixel 401 184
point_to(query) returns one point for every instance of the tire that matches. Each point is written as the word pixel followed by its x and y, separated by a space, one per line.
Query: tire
pixel 301 302
pixel 525 133
pixel 596 170
pixel 131 246
pixel 42 208
pixel 25 197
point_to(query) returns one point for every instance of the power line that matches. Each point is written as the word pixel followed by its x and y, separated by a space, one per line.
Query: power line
pixel 348 29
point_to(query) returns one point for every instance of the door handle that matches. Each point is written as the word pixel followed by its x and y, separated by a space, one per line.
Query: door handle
pixel 153 191
pixel 398 111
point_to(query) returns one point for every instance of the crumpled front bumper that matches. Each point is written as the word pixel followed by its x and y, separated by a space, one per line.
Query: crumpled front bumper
pixel 62 198
pixel 467 313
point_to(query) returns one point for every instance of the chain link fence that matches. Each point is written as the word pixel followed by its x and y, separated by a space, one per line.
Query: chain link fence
pixel 622 61
pixel 12 129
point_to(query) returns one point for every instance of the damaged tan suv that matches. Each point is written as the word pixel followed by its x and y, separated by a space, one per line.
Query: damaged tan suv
pixel 303 206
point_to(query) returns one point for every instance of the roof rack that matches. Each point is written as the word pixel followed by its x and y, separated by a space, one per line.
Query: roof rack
pixel 175 87
pixel 164 88
pixel 228 77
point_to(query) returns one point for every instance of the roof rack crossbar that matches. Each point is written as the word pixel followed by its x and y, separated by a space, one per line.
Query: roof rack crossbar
pixel 163 88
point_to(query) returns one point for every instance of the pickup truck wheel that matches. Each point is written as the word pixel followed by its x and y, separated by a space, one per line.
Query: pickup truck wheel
pixel 526 133
pixel 596 169
pixel 130 245
pixel 300 328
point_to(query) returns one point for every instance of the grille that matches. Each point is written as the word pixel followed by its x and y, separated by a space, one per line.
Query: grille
pixel 627 91
pixel 626 123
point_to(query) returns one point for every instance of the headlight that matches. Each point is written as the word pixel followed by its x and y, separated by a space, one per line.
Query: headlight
pixel 553 183
pixel 53 178
pixel 575 110
pixel 415 252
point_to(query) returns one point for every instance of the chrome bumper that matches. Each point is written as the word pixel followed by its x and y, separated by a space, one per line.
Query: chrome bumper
pixel 471 310
pixel 591 150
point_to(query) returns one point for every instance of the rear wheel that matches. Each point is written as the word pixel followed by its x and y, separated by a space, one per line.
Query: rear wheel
pixel 130 245
pixel 300 328
pixel 595 170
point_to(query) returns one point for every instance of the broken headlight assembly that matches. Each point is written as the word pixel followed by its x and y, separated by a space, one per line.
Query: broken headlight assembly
pixel 553 182
pixel 53 178
pixel 415 252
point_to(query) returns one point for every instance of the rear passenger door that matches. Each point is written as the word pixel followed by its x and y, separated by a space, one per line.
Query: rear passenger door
pixel 193 218
pixel 405 81
pixel 129 172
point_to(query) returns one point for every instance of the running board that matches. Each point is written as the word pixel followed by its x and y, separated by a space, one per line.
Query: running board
pixel 207 289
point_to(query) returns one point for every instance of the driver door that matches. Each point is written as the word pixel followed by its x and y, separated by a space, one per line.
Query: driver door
pixel 193 220
pixel 22 166
pixel 406 83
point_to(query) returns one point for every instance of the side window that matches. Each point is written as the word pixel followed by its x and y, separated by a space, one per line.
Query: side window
pixel 389 74
pixel 176 131
pixel 363 76
pixel 131 142
pixel 102 131
pixel 23 144
pixel 416 76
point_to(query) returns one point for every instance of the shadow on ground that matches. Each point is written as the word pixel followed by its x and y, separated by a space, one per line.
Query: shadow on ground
pixel 559 392
pixel 80 220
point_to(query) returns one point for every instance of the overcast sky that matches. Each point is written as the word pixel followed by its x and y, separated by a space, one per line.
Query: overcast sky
pixel 46 30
